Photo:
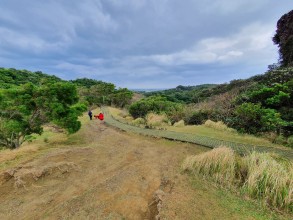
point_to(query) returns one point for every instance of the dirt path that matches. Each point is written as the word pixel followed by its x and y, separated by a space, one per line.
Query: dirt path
pixel 108 174
pixel 196 139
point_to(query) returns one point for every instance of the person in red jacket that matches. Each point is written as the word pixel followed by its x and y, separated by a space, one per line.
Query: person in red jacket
pixel 100 116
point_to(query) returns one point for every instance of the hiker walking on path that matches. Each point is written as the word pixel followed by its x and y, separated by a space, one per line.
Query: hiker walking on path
pixel 90 114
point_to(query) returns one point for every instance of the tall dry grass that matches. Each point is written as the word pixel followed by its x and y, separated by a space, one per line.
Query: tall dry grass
pixel 219 125
pixel 179 124
pixel 156 120
pixel 269 180
pixel 218 163
pixel 260 175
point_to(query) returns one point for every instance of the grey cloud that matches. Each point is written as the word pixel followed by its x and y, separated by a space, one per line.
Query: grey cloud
pixel 137 42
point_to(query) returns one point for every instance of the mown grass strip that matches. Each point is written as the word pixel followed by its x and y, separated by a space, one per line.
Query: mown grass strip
pixel 196 139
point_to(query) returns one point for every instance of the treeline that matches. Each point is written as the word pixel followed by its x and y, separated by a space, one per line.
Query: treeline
pixel 262 104
pixel 28 100
pixel 183 94
pixel 12 77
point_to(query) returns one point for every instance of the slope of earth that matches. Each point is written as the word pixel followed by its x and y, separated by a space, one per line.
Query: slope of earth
pixel 102 173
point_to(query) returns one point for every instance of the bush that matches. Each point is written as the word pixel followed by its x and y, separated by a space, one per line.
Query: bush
pixel 157 105
pixel 290 141
pixel 138 121
pixel 253 119
pixel 280 140
pixel 198 118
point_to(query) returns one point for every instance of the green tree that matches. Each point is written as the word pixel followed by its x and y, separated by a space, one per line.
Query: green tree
pixel 121 97
pixel 155 104
pixel 23 111
pixel 284 38
pixel 252 118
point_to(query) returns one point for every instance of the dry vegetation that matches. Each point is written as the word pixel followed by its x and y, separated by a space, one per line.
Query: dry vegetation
pixel 260 175
pixel 219 125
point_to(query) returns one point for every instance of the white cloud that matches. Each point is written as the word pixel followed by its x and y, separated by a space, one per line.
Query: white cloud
pixel 249 42
pixel 228 6
pixel 29 42
pixel 141 41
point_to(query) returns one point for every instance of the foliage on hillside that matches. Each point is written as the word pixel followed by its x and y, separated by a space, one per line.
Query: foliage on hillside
pixel 262 103
pixel 156 104
pixel 182 94
pixel 12 77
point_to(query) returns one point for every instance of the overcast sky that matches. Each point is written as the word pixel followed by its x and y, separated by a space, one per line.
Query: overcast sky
pixel 141 43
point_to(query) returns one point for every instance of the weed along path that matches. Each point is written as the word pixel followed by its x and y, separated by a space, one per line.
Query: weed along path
pixel 104 173
pixel 196 139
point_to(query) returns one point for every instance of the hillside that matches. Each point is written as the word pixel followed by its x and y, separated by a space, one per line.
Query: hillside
pixel 199 93
pixel 182 94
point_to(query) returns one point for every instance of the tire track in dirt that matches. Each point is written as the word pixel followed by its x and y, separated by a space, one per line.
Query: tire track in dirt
pixel 108 175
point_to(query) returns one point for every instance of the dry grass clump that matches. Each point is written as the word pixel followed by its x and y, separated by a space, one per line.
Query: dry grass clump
pixel 123 113
pixel 260 175
pixel 218 163
pixel 179 124
pixel 138 122
pixel 7 154
pixel 155 120
pixel 269 180
pixel 219 125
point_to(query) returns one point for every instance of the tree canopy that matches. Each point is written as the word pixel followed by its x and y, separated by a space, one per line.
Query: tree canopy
pixel 26 108
pixel 284 38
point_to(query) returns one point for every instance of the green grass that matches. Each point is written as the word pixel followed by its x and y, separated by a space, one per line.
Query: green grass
pixel 223 135
pixel 202 130
pixel 236 205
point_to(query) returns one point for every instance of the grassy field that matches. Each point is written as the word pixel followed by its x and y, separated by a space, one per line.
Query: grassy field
pixel 204 131
pixel 242 146
pixel 223 135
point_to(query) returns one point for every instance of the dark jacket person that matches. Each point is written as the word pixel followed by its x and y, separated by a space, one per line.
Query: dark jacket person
pixel 90 114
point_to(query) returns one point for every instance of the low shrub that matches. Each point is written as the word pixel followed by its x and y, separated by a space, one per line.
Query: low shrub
pixel 138 121
pixel 280 140
pixel 290 141
pixel 197 118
